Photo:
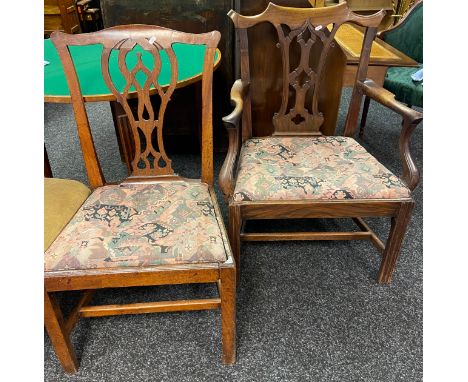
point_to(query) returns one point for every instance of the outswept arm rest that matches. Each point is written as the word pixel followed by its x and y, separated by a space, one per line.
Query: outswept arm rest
pixel 411 118
pixel 232 122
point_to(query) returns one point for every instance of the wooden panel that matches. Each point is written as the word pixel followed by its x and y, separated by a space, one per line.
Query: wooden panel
pixel 52 23
pixel 60 15
pixel 51 10
pixel 319 209
pixel 60 281
pixel 266 72
pixel 350 38
pixel 191 16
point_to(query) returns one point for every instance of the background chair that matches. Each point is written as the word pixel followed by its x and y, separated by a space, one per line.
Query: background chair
pixel 155 227
pixel 297 172
pixel 62 198
pixel 407 37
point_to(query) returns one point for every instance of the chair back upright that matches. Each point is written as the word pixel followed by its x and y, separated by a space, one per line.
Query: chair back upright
pixel 303 29
pixel 407 34
pixel 150 46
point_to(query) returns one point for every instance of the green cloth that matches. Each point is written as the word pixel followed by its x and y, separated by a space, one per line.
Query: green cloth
pixel 408 36
pixel 398 81
pixel 87 61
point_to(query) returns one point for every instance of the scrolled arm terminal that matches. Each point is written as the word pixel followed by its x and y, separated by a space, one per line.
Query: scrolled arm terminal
pixel 411 118
pixel 232 124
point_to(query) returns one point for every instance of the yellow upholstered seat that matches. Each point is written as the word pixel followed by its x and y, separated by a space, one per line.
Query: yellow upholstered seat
pixel 62 198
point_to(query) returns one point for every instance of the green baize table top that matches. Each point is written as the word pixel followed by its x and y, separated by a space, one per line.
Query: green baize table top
pixel 87 60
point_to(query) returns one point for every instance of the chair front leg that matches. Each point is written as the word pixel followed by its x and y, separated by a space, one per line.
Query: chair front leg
pixel 234 231
pixel 55 325
pixel 395 240
pixel 227 291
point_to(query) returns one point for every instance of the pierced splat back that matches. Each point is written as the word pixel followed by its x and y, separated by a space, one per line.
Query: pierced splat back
pixel 148 159
pixel 151 46
pixel 312 32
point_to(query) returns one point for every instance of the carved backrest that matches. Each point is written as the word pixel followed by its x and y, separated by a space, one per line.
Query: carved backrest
pixel 148 48
pixel 312 31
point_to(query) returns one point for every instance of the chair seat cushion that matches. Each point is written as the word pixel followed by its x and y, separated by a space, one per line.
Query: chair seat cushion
pixel 141 224
pixel 62 198
pixel 298 168
pixel 398 81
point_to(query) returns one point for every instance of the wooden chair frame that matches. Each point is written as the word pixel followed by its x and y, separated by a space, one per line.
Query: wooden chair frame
pixel 153 39
pixel 399 210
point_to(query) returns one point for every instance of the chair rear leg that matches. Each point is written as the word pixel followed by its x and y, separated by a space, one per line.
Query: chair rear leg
pixel 55 325
pixel 393 247
pixel 365 110
pixel 234 228
pixel 228 313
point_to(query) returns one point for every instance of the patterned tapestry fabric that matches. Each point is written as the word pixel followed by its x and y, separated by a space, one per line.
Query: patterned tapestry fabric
pixel 136 224
pixel 299 168
pixel 398 81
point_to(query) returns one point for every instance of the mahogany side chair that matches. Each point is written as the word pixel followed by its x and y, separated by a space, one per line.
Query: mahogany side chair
pixel 297 172
pixel 155 227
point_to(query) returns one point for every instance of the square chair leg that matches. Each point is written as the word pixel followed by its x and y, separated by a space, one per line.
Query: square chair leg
pixel 227 291
pixel 394 242
pixel 55 325
pixel 234 232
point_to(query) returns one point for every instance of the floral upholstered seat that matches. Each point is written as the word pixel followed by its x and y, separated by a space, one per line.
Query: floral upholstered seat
pixel 140 224
pixel 298 168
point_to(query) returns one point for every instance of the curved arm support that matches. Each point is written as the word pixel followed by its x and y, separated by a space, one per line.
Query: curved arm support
pixel 231 122
pixel 411 118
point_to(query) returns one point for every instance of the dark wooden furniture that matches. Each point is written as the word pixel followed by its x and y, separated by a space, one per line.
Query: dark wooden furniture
pixel 300 119
pixel 122 235
pixel 60 15
pixel 192 16
pixel 89 14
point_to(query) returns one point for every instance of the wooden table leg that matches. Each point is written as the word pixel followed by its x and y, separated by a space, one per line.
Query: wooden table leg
pixel 376 73
pixel 123 133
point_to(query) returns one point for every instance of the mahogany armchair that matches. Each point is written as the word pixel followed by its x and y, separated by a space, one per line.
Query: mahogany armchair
pixel 155 227
pixel 297 172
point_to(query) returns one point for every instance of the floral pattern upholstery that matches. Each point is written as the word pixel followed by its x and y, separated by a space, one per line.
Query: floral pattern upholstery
pixel 298 168
pixel 140 224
